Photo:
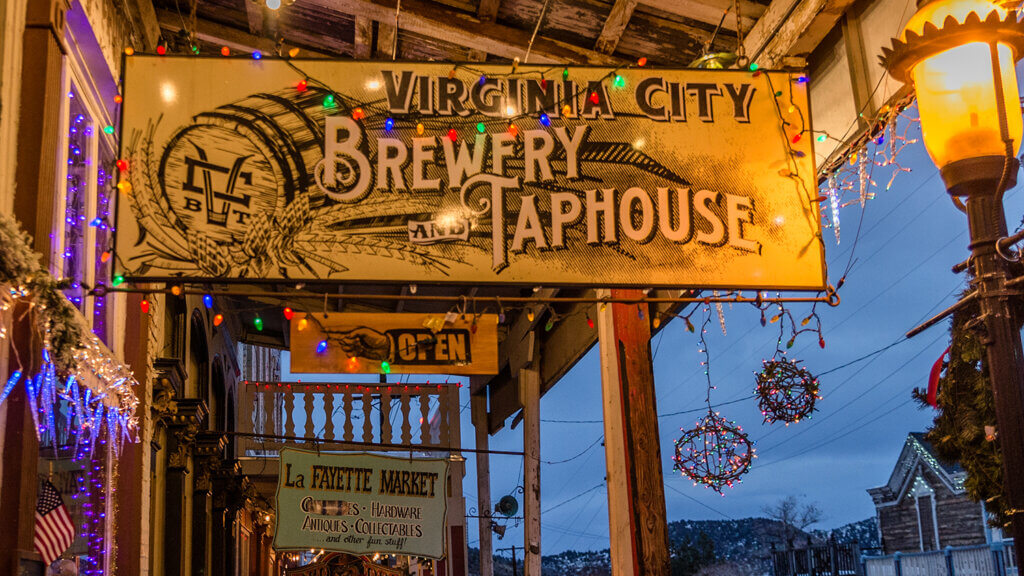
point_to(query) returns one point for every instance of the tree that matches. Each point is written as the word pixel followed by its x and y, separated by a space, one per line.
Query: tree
pixel 793 516
pixel 689 558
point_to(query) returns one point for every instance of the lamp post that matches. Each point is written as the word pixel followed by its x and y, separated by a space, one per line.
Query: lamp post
pixel 960 56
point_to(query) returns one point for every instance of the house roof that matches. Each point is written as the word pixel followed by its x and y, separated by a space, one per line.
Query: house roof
pixel 916 455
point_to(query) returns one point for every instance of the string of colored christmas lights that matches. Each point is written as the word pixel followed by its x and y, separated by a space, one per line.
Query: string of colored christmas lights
pixel 716 452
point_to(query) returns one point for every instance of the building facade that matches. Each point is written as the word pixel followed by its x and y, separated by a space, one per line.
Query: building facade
pixel 924 506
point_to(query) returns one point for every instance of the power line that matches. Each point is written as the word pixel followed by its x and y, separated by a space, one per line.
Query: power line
pixel 564 502
pixel 585 450
pixel 685 495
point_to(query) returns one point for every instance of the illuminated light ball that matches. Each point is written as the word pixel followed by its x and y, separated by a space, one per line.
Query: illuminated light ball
pixel 529 314
pixel 549 325
pixel 258 323
pixel 545 119
pixel 451 73
pixel 122 165
pixel 225 51
pixel 302 86
pixel 822 137
pixel 329 101
pixel 802 79
pixel 321 347
pixel 176 290
pixel 566 110
pixel 208 301
pixel 543 83
pixel 641 61
pixel 619 81
pixel 483 79
pixel 754 67
pixel 385 367
pixel 161 49
pixel 565 74
pixel 358 114
pixel 144 306
pixel 108 129
pixel 96 222
pixel 288 313
pixel 256 55
pixel 513 130
pixel 452 134
pixel 595 98
pixel 118 280
pixel 128 51
pixel 294 52
pixel 853 159
pixel 389 124
pixel 105 257
pixel 796 138
pixel 302 324
pixel 218 319
pixel 590 322
pixel 118 99
pixel 273 4
pixel 419 129
pixel 657 321
pixel 124 186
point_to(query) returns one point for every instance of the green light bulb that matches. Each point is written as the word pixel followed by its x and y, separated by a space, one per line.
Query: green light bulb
pixel 329 101
pixel 480 127
pixel 385 367
pixel 118 280
pixel 108 129
pixel 258 323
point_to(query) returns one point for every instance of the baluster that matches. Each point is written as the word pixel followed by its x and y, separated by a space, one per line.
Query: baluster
pixel 425 418
pixel 404 400
pixel 348 416
pixel 367 416
pixel 329 413
pixel 289 416
pixel 443 398
pixel 310 425
pixel 385 416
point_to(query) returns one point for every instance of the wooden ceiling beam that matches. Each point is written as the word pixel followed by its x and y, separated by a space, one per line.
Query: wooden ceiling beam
pixel 709 11
pixel 254 13
pixel 364 38
pixel 488 10
pixel 144 12
pixel 792 28
pixel 615 25
pixel 433 20
pixel 233 38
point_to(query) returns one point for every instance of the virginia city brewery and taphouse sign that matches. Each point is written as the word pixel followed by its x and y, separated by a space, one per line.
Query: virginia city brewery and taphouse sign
pixel 411 172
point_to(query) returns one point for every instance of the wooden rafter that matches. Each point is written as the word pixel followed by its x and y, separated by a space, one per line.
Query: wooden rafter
pixel 488 10
pixel 363 48
pixel 433 20
pixel 227 36
pixel 792 28
pixel 254 12
pixel 615 25
pixel 145 14
pixel 709 11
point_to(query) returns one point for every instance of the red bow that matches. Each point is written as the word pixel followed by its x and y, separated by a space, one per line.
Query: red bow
pixel 933 379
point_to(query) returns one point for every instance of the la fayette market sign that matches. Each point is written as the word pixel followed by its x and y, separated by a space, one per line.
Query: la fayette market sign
pixel 361 503
pixel 416 172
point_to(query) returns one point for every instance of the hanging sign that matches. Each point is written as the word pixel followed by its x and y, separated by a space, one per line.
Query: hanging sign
pixel 359 343
pixel 361 503
pixel 429 172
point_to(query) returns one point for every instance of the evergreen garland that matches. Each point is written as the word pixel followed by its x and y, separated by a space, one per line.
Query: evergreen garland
pixel 966 405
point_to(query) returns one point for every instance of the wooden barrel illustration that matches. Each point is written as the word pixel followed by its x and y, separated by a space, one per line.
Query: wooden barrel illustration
pixel 252 156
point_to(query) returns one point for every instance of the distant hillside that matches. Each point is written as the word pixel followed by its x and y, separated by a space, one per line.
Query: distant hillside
pixel 745 544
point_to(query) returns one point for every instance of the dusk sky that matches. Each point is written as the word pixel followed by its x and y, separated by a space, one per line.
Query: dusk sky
pixel 910 237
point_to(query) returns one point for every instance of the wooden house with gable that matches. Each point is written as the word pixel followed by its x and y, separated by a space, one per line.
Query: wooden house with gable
pixel 924 505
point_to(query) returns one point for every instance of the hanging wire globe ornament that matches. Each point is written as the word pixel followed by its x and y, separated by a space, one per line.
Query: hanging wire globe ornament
pixel 786 392
pixel 715 453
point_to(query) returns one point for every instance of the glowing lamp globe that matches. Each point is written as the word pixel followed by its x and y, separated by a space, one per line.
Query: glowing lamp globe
pixel 960 55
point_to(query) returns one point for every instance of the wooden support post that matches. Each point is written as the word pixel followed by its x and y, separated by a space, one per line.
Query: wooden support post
pixel 387 35
pixel 636 490
pixel 529 390
pixel 615 25
pixel 478 407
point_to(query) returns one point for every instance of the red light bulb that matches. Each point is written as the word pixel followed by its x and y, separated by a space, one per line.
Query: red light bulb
pixel 161 50
pixel 595 98
pixel 218 319
pixel 122 165
pixel 288 313
pixel 302 86
pixel 144 305
pixel 453 135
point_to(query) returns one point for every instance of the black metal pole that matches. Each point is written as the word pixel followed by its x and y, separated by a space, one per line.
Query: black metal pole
pixel 998 326
pixel 514 572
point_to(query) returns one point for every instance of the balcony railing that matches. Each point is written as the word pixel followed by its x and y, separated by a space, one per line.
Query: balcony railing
pixel 996 559
pixel 275 415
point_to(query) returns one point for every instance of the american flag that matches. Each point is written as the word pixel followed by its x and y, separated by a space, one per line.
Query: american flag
pixel 54 529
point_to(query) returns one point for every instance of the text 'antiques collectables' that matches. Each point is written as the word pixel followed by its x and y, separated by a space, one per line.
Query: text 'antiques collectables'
pixel 361 503
pixel 360 171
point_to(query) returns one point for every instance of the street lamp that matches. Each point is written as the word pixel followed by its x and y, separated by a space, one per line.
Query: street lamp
pixel 960 56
